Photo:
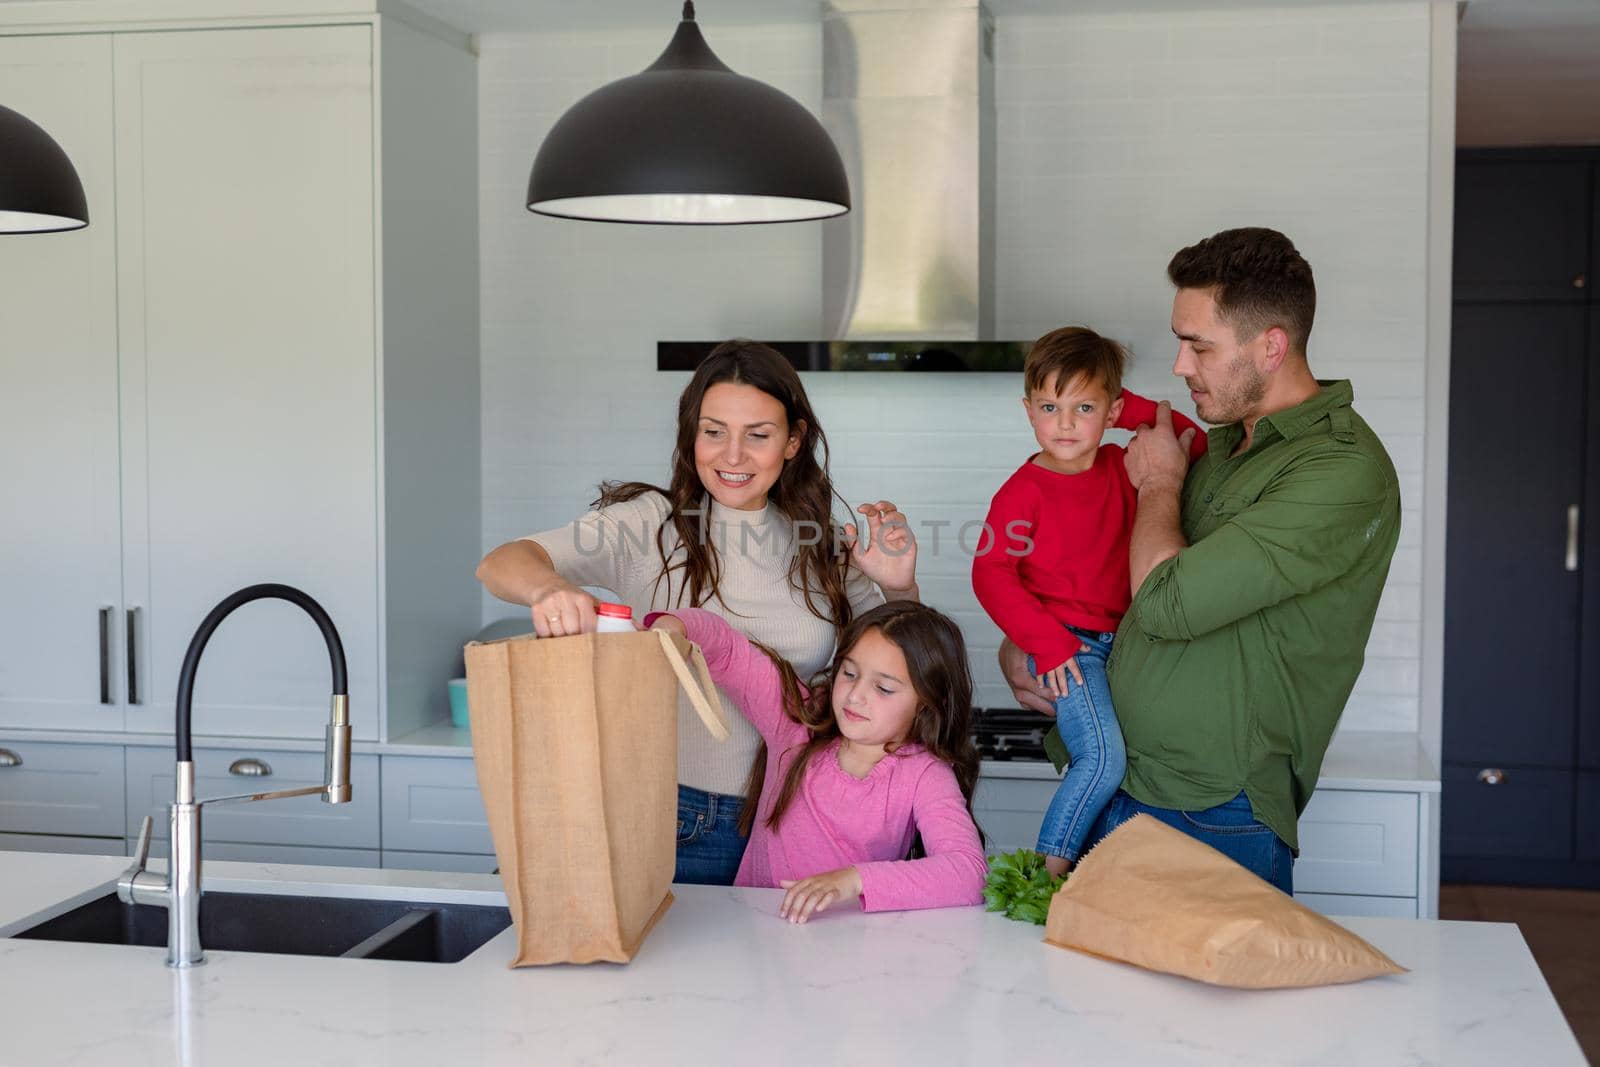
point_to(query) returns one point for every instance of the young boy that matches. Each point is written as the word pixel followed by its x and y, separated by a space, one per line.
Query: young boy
pixel 1054 576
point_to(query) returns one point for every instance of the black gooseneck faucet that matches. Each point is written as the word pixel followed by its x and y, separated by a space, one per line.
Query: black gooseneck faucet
pixel 179 892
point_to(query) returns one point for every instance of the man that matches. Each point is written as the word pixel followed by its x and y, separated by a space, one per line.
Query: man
pixel 1256 574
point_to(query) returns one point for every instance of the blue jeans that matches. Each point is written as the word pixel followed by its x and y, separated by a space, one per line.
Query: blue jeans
pixel 1089 729
pixel 709 844
pixel 1230 828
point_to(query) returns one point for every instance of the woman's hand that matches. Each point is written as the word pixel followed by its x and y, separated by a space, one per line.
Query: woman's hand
pixel 1024 686
pixel 561 609
pixel 888 552
pixel 819 892
pixel 672 624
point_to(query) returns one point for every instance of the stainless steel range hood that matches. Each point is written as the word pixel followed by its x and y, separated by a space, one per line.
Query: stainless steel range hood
pixel 908 97
pixel 908 274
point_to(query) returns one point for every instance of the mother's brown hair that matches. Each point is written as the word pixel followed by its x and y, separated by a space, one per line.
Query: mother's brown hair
pixel 936 658
pixel 803 493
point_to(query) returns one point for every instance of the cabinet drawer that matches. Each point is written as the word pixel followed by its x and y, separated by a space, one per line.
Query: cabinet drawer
pixel 297 821
pixel 1358 843
pixel 1009 811
pixel 1527 815
pixel 1334 905
pixel 462 862
pixel 303 855
pixel 83 846
pixel 433 805
pixel 62 789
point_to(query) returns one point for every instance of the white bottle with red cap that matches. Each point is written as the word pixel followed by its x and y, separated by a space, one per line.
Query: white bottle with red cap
pixel 613 618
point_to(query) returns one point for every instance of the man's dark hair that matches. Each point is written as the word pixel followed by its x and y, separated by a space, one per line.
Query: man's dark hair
pixel 1257 278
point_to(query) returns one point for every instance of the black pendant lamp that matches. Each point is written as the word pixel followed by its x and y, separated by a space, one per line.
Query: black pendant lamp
pixel 688 141
pixel 39 190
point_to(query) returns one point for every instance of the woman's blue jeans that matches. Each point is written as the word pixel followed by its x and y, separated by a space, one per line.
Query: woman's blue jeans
pixel 1089 729
pixel 1230 828
pixel 709 844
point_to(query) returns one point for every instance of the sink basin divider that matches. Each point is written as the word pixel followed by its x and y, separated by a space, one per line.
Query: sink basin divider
pixel 399 928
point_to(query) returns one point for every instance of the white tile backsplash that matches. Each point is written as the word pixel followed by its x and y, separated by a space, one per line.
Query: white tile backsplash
pixel 1120 139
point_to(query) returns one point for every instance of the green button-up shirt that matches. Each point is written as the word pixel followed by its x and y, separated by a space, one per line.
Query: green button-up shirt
pixel 1236 657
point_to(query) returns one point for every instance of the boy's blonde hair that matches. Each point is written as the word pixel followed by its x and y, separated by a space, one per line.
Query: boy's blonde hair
pixel 1072 352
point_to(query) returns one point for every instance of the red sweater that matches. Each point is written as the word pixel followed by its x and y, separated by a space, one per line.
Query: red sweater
pixel 1076 573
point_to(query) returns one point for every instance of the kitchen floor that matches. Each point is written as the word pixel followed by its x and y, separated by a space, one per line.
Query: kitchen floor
pixel 1562 928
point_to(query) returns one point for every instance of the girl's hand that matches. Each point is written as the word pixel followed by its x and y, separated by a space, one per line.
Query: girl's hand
pixel 672 624
pixel 888 552
pixel 561 609
pixel 818 892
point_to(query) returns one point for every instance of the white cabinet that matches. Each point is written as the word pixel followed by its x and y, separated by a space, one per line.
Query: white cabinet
pixel 433 817
pixel 249 413
pixel 60 560
pixel 258 363
pixel 296 821
pixel 60 797
pixel 1363 851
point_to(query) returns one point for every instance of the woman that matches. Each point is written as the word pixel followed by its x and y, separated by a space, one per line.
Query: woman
pixel 744 530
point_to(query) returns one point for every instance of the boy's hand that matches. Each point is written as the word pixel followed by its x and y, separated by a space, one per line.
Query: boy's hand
pixel 1031 696
pixel 1056 680
pixel 670 623
pixel 817 893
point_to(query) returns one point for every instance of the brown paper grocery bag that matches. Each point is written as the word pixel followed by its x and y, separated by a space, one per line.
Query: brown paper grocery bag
pixel 576 745
pixel 1154 896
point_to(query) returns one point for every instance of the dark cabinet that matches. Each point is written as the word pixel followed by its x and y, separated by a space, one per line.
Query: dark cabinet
pixel 1511 605
pixel 1522 227
pixel 1507 812
pixel 1588 811
pixel 1521 800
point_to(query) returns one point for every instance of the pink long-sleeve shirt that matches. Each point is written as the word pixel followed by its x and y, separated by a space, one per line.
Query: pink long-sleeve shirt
pixel 835 819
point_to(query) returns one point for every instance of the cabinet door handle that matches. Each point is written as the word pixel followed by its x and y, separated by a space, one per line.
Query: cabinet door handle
pixel 133 655
pixel 9 758
pixel 1572 537
pixel 105 654
pixel 250 768
pixel 1492 776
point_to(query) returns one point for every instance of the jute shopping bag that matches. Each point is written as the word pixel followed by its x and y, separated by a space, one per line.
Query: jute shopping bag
pixel 576 745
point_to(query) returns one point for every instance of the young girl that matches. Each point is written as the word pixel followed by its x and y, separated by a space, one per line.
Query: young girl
pixel 875 752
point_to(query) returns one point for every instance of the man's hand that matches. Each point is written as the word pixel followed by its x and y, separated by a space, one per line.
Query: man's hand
pixel 1024 686
pixel 1156 457
pixel 819 892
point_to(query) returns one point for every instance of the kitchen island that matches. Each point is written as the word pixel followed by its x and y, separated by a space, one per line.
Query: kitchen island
pixel 722 980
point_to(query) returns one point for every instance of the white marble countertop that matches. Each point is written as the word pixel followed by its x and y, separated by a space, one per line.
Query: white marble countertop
pixel 723 980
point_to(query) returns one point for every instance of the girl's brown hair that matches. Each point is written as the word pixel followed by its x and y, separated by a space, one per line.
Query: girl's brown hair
pixel 936 658
pixel 803 493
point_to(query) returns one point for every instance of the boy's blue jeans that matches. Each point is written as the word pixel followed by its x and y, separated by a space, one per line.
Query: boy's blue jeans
pixel 1089 729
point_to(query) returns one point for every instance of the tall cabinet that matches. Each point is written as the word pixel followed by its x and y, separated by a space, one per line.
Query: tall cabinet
pixel 258 363
pixel 1521 796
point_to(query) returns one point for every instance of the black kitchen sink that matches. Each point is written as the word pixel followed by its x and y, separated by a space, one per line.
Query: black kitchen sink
pixel 420 931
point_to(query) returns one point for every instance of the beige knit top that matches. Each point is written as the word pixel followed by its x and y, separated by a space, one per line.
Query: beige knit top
pixel 615 548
